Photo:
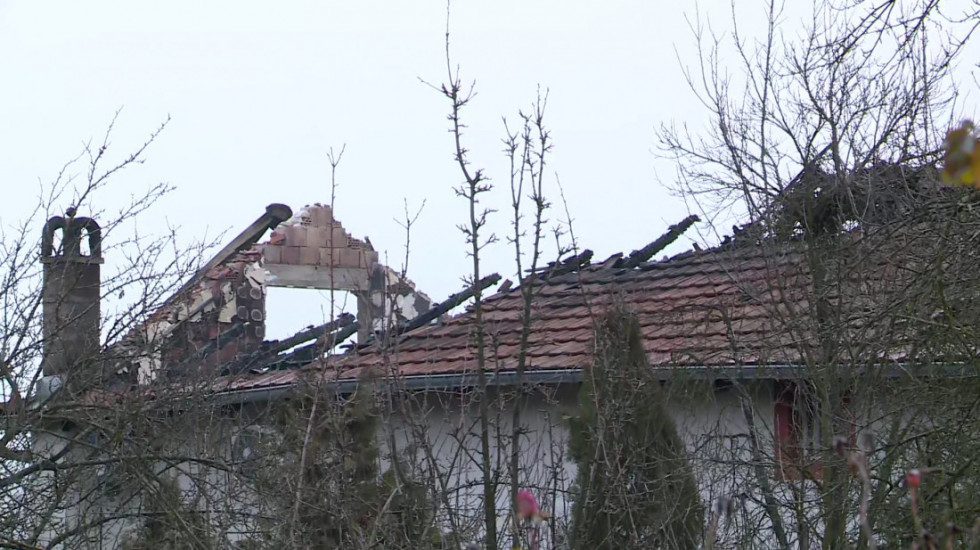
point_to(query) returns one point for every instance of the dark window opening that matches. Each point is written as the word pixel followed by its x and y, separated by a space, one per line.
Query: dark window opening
pixel 796 431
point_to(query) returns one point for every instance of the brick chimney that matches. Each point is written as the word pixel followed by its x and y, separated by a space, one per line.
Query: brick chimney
pixel 70 297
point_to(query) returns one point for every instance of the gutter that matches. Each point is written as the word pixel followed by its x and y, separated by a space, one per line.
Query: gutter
pixel 549 377
pixel 49 385
pixel 457 381
pixel 418 382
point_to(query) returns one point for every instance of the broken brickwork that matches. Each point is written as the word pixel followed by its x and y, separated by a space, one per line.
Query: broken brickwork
pixel 313 250
pixel 218 318
pixel 314 238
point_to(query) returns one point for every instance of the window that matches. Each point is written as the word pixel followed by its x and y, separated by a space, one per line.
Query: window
pixel 253 443
pixel 796 431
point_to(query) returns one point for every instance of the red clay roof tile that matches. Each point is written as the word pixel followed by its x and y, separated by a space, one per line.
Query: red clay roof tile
pixel 715 308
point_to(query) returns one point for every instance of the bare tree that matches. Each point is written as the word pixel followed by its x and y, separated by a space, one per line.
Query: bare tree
pixel 48 433
pixel 827 146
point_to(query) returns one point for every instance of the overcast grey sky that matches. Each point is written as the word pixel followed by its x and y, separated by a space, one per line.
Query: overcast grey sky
pixel 259 91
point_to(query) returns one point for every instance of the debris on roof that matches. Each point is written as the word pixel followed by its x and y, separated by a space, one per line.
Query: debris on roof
pixel 215 322
pixel 673 233
pixel 692 311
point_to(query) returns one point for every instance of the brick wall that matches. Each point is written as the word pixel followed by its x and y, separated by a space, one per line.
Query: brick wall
pixel 313 237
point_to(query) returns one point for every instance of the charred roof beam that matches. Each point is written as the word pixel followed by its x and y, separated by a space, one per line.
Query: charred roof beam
pixel 673 233
pixel 268 355
pixel 273 216
pixel 448 304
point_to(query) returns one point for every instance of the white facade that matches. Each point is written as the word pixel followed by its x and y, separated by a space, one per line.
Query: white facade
pixel 710 418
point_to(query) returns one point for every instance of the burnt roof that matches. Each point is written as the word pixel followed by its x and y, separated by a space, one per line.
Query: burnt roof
pixel 722 307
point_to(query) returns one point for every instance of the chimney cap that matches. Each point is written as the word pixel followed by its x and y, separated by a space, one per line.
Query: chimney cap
pixel 71 228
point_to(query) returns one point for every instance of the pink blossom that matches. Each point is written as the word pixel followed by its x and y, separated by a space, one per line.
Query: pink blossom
pixel 527 505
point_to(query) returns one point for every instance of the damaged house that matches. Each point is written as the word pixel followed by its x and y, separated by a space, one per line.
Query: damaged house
pixel 740 335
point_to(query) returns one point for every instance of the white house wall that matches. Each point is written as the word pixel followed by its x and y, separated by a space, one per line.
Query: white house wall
pixel 710 421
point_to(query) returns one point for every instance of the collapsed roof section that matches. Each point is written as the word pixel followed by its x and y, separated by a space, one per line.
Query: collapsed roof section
pixel 709 309
pixel 215 323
